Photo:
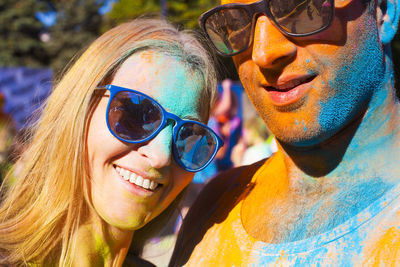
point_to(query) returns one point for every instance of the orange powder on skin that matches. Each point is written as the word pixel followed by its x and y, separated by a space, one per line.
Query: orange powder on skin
pixel 150 57
pixel 386 250
pixel 272 187
pixel 147 56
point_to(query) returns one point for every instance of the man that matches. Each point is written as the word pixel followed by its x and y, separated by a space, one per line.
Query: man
pixel 320 74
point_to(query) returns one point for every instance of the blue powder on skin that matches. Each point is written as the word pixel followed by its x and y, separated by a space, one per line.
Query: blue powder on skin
pixel 352 86
pixel 304 125
pixel 181 88
pixel 307 61
pixel 389 29
pixel 174 86
pixel 360 82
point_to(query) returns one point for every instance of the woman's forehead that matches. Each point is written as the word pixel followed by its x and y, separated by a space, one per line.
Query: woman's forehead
pixel 167 79
pixel 158 70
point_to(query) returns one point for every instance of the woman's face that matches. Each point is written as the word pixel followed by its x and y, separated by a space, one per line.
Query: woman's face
pixel 117 201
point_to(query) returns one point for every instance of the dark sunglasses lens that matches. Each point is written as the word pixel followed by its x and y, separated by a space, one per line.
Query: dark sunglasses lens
pixel 133 117
pixel 301 16
pixel 229 29
pixel 195 145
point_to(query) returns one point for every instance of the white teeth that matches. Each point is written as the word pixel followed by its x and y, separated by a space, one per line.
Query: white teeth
pixel 132 178
pixel 153 185
pixel 139 181
pixel 146 184
pixel 124 174
pixel 136 179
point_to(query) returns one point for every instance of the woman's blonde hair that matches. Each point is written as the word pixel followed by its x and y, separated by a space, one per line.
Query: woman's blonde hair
pixel 42 210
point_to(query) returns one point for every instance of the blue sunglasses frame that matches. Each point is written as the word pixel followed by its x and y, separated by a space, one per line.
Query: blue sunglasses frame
pixel 166 116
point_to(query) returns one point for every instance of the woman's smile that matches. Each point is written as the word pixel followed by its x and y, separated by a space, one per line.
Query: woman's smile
pixel 136 179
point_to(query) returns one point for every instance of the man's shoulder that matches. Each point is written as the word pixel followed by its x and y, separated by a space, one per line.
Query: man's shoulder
pixel 212 206
pixel 226 185
pixel 242 174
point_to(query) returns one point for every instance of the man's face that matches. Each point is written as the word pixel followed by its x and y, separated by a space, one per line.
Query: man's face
pixel 307 89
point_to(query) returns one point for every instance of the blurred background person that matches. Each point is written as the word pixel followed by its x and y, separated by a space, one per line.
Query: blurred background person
pixel 256 143
pixel 225 120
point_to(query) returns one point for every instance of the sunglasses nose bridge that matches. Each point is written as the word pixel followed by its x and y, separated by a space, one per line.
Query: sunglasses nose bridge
pixel 258 9
pixel 159 148
pixel 263 6
pixel 176 121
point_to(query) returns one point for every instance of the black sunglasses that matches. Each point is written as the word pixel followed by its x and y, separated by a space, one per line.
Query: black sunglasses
pixel 134 117
pixel 230 27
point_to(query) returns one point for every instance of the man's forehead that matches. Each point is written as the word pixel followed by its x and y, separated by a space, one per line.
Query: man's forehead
pixel 223 2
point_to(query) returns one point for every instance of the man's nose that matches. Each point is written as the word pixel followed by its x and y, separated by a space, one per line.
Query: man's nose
pixel 271 48
pixel 158 150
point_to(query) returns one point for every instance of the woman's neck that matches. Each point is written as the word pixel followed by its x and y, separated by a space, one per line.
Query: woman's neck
pixel 99 244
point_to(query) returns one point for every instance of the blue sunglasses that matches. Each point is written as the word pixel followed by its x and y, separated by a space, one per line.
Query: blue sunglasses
pixel 134 117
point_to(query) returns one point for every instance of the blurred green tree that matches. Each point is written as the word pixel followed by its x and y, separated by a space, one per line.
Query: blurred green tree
pixel 181 12
pixel 25 41
pixel 20 33
pixel 78 24
pixel 187 12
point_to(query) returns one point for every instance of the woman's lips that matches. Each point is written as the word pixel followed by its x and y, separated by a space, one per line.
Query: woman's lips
pixel 289 92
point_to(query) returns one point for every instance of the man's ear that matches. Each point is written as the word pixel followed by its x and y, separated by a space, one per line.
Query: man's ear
pixel 388 12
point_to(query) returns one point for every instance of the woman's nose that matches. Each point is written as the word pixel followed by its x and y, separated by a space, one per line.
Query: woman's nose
pixel 271 48
pixel 158 150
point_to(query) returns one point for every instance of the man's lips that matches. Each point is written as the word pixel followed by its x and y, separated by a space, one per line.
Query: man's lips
pixel 289 91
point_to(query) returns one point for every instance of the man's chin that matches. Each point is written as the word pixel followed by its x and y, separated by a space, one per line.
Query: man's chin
pixel 302 140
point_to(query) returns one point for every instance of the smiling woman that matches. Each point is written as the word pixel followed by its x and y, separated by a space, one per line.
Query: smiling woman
pixel 118 140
